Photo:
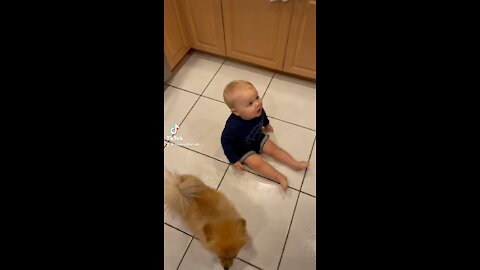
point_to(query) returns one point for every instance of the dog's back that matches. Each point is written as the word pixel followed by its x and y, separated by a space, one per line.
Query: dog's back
pixel 196 202
pixel 209 215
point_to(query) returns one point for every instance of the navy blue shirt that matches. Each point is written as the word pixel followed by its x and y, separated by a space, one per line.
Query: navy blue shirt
pixel 240 136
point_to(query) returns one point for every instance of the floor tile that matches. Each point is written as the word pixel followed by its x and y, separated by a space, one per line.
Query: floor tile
pixel 267 209
pixel 292 100
pixel 197 71
pixel 209 170
pixel 174 245
pixel 310 182
pixel 268 212
pixel 234 71
pixel 199 258
pixel 203 127
pixel 297 141
pixel 300 250
pixel 177 103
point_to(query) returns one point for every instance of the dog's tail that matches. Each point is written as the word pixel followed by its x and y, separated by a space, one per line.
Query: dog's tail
pixel 179 190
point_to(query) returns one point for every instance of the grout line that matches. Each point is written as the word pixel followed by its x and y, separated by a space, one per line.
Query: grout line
pixel 271 79
pixel 296 204
pixel 229 166
pixel 291 221
pixel 298 190
pixel 173 227
pixel 190 110
pixel 309 194
pixel 288 232
pixel 269 116
pixel 201 94
pixel 213 77
pixel 248 263
pixel 214 99
pixel 309 157
pixel 303 192
pixel 223 177
pixel 185 90
pixel 200 153
pixel 268 179
pixel 197 94
pixel 191 235
pixel 181 260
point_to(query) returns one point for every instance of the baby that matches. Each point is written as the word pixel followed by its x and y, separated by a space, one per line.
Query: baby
pixel 243 138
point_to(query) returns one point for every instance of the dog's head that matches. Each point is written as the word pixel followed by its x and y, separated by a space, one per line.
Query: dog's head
pixel 225 239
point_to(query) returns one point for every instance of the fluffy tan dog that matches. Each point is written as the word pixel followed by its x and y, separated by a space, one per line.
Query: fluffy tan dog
pixel 209 214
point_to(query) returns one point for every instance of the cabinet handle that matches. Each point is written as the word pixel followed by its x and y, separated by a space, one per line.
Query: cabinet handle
pixel 277 0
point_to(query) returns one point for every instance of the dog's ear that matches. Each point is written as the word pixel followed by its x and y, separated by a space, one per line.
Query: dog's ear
pixel 243 227
pixel 243 224
pixel 207 230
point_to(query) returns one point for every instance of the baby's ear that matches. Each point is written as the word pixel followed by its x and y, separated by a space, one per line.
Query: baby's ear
pixel 207 230
pixel 235 112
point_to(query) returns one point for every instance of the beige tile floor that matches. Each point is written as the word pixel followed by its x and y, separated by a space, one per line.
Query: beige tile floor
pixel 282 225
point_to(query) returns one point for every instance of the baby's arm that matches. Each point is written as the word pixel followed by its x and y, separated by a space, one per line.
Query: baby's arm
pixel 266 122
pixel 268 128
pixel 227 145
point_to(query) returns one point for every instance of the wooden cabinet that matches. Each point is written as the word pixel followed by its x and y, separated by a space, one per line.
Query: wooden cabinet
pixel 278 35
pixel 256 31
pixel 175 41
pixel 204 25
pixel 300 57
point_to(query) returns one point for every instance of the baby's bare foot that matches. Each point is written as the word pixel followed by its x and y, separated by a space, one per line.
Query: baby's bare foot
pixel 300 165
pixel 282 180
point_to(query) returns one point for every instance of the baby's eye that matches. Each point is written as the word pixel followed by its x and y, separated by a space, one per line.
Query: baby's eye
pixel 257 97
pixel 250 103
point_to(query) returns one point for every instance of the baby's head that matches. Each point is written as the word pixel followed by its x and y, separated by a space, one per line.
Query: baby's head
pixel 242 99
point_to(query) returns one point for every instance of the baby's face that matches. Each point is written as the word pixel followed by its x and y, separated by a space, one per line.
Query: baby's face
pixel 248 104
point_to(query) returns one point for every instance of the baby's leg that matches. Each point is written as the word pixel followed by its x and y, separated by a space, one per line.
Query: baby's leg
pixel 257 163
pixel 282 156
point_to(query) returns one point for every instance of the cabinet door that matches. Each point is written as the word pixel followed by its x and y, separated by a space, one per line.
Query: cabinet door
pixel 256 31
pixel 301 52
pixel 204 25
pixel 175 41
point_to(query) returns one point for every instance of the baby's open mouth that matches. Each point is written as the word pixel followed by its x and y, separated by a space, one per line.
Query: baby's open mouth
pixel 259 110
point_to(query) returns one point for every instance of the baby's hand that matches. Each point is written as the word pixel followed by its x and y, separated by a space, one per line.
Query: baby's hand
pixel 237 165
pixel 268 128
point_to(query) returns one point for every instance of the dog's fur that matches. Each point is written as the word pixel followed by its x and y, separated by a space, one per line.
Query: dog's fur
pixel 209 214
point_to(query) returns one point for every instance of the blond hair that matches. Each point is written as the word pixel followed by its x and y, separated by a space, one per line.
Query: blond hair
pixel 231 88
